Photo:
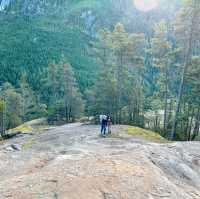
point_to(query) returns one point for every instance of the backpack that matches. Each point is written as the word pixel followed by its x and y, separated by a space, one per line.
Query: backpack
pixel 102 117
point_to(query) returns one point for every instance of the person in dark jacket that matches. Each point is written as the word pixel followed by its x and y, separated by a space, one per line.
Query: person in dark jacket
pixel 104 123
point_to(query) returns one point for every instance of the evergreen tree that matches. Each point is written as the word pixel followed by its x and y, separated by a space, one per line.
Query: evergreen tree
pixel 13 105
pixel 61 92
pixel 162 51
pixel 191 95
pixel 73 104
pixel 118 73
pixel 187 29
pixel 2 117
pixel 30 107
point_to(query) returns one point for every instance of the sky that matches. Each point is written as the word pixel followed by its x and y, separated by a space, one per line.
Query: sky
pixel 146 5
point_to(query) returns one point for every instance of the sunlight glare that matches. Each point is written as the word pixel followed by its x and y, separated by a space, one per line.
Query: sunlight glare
pixel 146 5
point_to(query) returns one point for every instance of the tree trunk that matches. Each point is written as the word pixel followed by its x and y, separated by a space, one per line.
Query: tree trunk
pixel 197 125
pixel 190 125
pixel 119 82
pixel 186 125
pixel 173 132
pixel 185 68
pixel 181 88
pixel 165 111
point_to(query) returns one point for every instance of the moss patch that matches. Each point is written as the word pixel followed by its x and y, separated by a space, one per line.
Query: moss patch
pixel 24 128
pixel 146 134
pixel 28 144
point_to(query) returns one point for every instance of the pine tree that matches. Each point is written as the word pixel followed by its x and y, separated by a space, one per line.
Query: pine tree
pixel 2 117
pixel 13 104
pixel 163 54
pixel 192 93
pixel 73 103
pixel 113 88
pixel 30 108
pixel 61 92
pixel 187 29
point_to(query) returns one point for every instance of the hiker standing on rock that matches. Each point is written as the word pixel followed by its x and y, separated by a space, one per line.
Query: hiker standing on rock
pixel 104 122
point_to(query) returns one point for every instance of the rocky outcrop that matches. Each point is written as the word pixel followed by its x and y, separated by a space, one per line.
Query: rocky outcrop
pixel 73 161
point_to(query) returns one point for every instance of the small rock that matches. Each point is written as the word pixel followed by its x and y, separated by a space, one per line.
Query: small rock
pixel 12 148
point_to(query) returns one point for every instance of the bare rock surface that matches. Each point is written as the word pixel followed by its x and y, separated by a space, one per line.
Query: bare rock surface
pixel 74 162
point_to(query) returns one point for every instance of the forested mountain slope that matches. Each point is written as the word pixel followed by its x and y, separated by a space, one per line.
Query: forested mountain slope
pixel 66 59
pixel 33 33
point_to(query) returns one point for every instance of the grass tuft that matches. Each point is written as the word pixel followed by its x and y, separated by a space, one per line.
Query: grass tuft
pixel 24 128
pixel 28 144
pixel 146 134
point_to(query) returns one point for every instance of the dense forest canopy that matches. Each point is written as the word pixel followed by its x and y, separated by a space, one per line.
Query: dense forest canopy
pixel 137 61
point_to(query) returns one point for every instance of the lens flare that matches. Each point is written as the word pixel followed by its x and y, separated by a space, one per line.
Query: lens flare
pixel 146 5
